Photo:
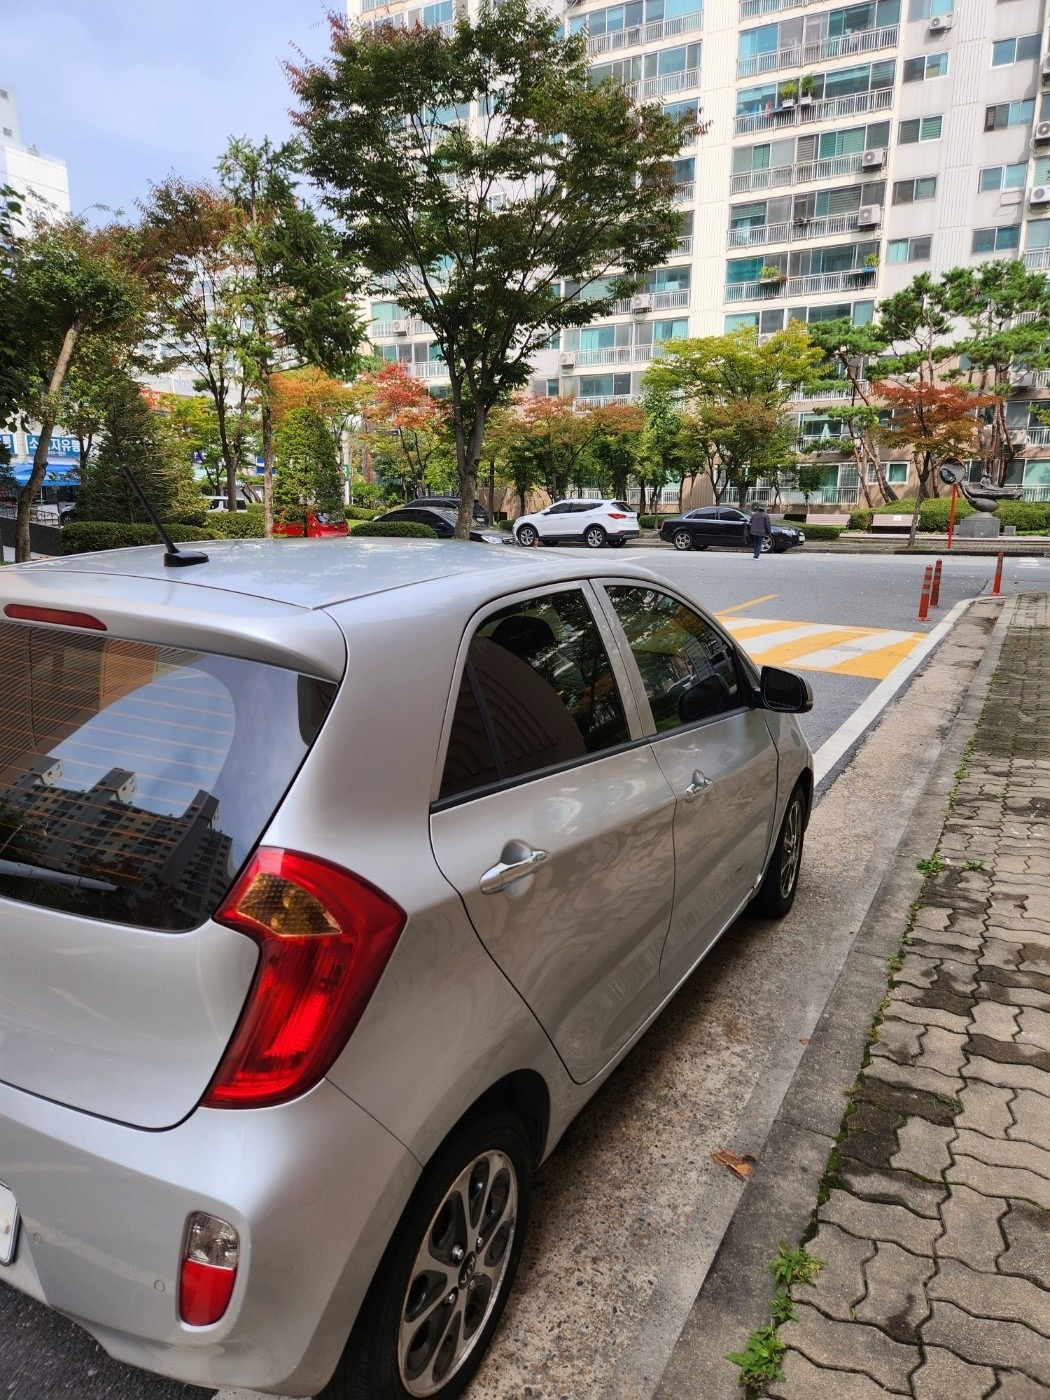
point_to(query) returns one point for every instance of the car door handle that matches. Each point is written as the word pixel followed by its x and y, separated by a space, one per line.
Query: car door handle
pixel 519 861
pixel 697 786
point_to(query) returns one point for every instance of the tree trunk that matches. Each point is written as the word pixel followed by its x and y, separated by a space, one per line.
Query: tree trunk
pixel 468 455
pixel 266 417
pixel 47 422
pixel 920 494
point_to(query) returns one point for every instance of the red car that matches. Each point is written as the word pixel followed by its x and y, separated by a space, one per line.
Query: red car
pixel 318 526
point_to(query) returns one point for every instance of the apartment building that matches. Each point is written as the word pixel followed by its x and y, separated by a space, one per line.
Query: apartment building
pixel 850 147
pixel 40 180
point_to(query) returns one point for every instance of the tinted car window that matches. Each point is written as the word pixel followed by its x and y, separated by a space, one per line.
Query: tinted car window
pixel 132 781
pixel 687 668
pixel 537 691
pixel 562 508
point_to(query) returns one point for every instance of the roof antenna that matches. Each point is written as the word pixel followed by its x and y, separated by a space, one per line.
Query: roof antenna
pixel 173 556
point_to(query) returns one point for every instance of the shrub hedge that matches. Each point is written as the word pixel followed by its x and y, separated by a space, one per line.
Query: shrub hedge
pixel 237 524
pixel 822 532
pixel 860 518
pixel 649 522
pixel 507 525
pixel 361 513
pixel 90 536
pixel 934 513
pixel 394 529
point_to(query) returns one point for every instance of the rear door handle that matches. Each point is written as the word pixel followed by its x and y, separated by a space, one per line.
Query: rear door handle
pixel 519 861
pixel 699 785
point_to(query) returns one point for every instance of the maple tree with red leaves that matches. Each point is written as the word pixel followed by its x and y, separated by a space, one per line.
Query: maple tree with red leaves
pixel 406 430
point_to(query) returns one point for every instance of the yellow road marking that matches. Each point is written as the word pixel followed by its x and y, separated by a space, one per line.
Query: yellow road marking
pixel 877 664
pixel 870 652
pixel 744 630
pixel 738 607
pixel 800 647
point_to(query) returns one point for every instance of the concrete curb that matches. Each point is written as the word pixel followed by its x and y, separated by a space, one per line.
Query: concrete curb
pixel 780 1197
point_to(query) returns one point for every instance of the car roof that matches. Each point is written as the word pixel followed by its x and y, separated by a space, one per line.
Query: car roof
pixel 303 573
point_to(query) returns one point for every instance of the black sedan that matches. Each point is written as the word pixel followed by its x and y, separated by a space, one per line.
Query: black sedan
pixel 441 521
pixel 726 526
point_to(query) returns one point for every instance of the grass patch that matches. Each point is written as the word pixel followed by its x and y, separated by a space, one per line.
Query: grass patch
pixel 933 865
pixel 759 1362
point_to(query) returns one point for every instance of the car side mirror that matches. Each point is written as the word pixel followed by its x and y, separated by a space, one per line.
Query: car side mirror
pixel 784 691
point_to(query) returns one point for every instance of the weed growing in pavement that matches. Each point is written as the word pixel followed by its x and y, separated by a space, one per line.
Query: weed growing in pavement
pixel 933 865
pixel 759 1362
pixel 791 1266
pixel 895 964
pixel 973 865
pixel 782 1309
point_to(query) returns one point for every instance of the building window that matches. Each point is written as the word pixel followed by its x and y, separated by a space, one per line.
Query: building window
pixel 996 240
pixel 552 388
pixel 1003 177
pixel 741 319
pixel 671 330
pixel 678 111
pixel 920 129
pixel 911 191
pixel 1005 114
pixel 1006 51
pixel 896 473
pixel 926 9
pixel 902 250
pixel 933 65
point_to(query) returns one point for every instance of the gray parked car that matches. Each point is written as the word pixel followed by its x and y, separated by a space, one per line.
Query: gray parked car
pixel 333 882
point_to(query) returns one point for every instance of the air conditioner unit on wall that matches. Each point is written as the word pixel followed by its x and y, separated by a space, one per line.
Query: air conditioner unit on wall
pixel 1022 379
pixel 641 303
pixel 1040 195
pixel 399 327
pixel 873 160
pixel 567 360
pixel 1019 438
pixel 1041 133
pixel 1046 68
pixel 869 216
pixel 940 23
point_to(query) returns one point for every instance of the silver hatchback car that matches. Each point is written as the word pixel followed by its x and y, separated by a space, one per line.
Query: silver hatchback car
pixel 334 879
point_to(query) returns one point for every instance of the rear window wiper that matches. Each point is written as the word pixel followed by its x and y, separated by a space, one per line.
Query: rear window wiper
pixel 54 877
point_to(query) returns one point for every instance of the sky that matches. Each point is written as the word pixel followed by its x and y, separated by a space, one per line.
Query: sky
pixel 130 91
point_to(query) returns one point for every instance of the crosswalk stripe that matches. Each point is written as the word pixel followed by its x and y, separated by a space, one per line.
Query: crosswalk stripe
pixel 869 652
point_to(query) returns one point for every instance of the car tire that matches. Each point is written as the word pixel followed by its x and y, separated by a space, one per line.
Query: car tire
pixel 779 546
pixel 410 1339
pixel 767 544
pixel 682 540
pixel 526 536
pixel 594 537
pixel 776 894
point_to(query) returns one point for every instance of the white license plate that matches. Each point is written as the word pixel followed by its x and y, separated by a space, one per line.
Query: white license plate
pixel 8 1225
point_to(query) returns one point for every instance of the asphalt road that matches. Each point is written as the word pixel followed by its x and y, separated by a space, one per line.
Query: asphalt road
pixel 44 1357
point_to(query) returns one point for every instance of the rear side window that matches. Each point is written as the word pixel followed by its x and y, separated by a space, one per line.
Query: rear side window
pixel 537 691
pixel 686 666
pixel 135 779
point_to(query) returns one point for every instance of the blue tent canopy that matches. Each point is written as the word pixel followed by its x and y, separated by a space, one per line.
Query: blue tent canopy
pixel 57 474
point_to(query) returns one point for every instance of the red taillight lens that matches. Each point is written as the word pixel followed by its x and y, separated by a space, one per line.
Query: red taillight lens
pixel 63 617
pixel 324 938
pixel 616 515
pixel 209 1269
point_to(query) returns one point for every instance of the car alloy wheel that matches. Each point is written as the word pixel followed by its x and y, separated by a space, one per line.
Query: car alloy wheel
pixel 777 893
pixel 526 536
pixel 441 1287
pixel 594 537
pixel 682 539
pixel 767 544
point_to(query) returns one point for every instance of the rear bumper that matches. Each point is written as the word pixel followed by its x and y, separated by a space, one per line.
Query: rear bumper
pixel 104 1209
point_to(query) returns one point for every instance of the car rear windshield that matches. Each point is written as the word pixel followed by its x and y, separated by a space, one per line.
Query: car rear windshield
pixel 135 779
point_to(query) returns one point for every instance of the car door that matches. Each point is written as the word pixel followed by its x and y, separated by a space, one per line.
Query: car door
pixel 704 525
pixel 555 523
pixel 718 755
pixel 733 524
pixel 555 822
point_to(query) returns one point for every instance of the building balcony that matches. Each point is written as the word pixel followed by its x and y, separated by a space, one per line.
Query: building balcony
pixel 645 34
pixel 790 496
pixel 856 279
pixel 827 109
pixel 658 301
pixel 1037 259
pixel 1038 436
pixel 426 369
pixel 685 193
pixel 802 173
pixel 612 355
pixel 754 291
pixel 603 400
pixel 806 55
pixel 755 9
pixel 826 395
pixel 385 330
pixel 665 84
pixel 799 229
pixel 683 248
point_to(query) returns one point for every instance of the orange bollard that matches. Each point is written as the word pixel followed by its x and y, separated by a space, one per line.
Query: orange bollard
pixel 935 595
pixel 927 589
pixel 997 585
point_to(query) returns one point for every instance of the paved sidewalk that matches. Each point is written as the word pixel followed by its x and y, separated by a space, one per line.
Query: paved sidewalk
pixel 935 1230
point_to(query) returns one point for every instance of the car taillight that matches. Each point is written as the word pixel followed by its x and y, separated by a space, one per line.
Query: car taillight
pixel 616 515
pixel 62 617
pixel 324 938
pixel 208 1270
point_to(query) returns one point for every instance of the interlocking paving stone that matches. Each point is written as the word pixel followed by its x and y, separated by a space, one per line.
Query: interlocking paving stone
pixel 1009 1052
pixel 932 918
pixel 994 1021
pixel 849 1345
pixel 1006 977
pixel 906 1102
pixel 1026 1229
pixel 872 1136
pixel 914 1076
pixel 988 1341
pixel 1000 1152
pixel 840 1285
pixel 1008 1075
pixel 1034 1027
pixel 972 1228
pixel 804 1381
pixel 943 946
pixel 923 1148
pixel 999 953
pixel 943 1374
pixel 1002 1181
pixel 920 972
pixel 991 1295
pixel 896 1297
pixel 893 1187
pixel 902 1008
pixel 1031 1113
pixel 899 1041
pixel 986 1109
pixel 1015 1386
pixel 871 1221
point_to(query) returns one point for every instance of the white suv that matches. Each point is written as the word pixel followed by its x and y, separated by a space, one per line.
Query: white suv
pixel 592 523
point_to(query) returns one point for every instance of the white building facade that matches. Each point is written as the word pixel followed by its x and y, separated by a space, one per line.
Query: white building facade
pixel 849 147
pixel 40 180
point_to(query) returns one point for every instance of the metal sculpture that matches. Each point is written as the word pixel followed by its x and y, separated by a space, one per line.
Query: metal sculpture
pixel 984 497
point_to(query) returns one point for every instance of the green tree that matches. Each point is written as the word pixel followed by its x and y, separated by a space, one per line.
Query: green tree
pixel 488 232
pixel 132 434
pixel 70 286
pixel 306 473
